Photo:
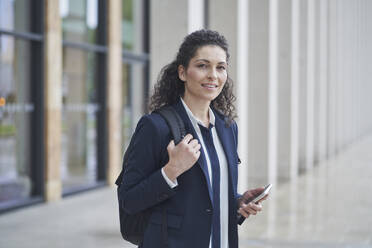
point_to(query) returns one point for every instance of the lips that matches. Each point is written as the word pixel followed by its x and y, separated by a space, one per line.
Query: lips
pixel 209 86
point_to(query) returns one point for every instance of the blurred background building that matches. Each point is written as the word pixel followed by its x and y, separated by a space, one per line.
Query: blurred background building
pixel 75 77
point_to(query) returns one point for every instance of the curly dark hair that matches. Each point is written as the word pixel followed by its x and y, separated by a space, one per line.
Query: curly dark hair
pixel 169 87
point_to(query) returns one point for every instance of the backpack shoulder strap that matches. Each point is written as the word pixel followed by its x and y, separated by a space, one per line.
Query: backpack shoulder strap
pixel 174 121
pixel 175 124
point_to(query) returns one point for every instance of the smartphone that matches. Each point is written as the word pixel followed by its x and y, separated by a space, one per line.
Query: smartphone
pixel 264 193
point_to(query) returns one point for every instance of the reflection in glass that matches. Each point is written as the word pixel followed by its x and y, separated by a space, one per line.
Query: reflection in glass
pixel 15 15
pixel 132 25
pixel 15 119
pixel 79 20
pixel 79 120
pixel 133 100
pixel 126 123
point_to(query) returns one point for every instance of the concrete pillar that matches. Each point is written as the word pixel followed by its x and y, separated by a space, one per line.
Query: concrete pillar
pixel 353 64
pixel 285 87
pixel 258 61
pixel 262 92
pixel 357 25
pixel 367 127
pixel 242 82
pixel 295 81
pixel 273 92
pixel 302 123
pixel 53 99
pixel 195 15
pixel 362 23
pixel 367 86
pixel 332 71
pixel 367 67
pixel 114 90
pixel 166 33
pixel 340 133
pixel 323 82
pixel 310 82
pixel 272 154
pixel 319 103
pixel 347 62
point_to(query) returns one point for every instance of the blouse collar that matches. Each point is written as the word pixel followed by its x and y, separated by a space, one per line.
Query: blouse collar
pixel 195 121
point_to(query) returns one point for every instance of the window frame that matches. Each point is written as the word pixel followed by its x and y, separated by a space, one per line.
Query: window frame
pixel 100 49
pixel 37 164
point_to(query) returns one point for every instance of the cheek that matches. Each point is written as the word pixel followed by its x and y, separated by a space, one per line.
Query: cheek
pixel 223 78
pixel 195 75
pixel 222 86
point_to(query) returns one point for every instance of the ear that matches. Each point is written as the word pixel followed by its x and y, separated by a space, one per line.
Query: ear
pixel 182 73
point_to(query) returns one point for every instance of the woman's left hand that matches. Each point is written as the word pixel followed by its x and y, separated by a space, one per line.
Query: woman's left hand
pixel 246 209
pixel 251 208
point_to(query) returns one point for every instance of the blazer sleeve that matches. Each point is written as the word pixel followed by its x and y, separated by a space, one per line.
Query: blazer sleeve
pixel 235 133
pixel 143 184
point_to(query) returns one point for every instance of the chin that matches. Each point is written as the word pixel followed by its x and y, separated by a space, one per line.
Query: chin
pixel 209 97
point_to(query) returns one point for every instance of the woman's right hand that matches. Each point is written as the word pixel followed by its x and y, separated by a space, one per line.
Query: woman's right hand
pixel 182 156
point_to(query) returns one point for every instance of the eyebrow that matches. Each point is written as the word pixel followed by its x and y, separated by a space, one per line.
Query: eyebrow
pixel 207 61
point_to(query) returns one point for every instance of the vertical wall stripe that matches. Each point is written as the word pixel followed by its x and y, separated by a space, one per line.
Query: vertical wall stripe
pixel 195 15
pixel 322 81
pixel 310 86
pixel 273 91
pixel 242 91
pixel 295 70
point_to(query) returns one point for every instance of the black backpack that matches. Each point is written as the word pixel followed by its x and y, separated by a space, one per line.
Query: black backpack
pixel 133 226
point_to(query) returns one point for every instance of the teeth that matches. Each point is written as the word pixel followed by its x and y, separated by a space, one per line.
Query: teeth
pixel 209 86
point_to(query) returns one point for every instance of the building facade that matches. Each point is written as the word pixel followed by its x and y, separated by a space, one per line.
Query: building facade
pixel 75 77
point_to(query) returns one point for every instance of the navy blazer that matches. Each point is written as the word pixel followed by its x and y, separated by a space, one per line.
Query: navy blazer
pixel 189 205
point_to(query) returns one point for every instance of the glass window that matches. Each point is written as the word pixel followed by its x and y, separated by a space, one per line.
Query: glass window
pixel 15 15
pixel 79 20
pixel 79 119
pixel 133 98
pixel 133 25
pixel 134 73
pixel 16 113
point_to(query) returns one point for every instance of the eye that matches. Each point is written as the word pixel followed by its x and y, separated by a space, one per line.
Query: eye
pixel 202 66
pixel 221 67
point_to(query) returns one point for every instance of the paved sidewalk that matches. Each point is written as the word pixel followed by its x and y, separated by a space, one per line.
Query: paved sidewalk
pixel 330 206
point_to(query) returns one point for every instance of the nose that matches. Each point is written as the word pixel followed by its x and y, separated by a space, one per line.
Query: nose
pixel 212 74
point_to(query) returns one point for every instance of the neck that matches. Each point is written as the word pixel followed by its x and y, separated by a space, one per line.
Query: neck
pixel 200 109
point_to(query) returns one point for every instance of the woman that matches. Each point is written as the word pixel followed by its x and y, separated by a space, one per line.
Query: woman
pixel 195 181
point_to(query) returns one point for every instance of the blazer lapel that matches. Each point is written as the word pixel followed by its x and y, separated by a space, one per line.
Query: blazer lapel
pixel 226 137
pixel 190 129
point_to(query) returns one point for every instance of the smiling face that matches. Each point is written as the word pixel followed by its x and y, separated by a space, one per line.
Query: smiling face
pixel 205 75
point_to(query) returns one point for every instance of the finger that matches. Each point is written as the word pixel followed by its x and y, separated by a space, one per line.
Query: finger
pixel 257 191
pixel 197 154
pixel 170 145
pixel 250 208
pixel 193 143
pixel 197 148
pixel 243 213
pixel 263 199
pixel 187 138
pixel 249 194
pixel 257 207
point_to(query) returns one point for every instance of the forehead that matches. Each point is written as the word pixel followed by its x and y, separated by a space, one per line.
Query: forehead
pixel 211 53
